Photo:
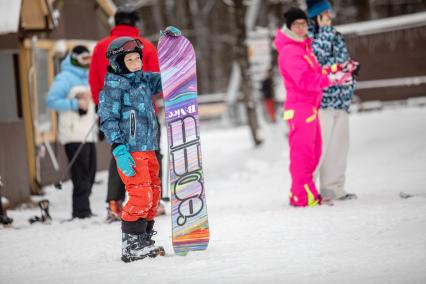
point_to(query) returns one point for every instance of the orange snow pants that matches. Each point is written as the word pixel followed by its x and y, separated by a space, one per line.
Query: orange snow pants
pixel 143 189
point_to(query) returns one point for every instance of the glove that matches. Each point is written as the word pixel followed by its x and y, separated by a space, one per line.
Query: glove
pixel 124 160
pixel 340 78
pixel 82 112
pixel 351 66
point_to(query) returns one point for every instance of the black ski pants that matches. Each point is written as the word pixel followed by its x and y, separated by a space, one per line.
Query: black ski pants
pixel 83 173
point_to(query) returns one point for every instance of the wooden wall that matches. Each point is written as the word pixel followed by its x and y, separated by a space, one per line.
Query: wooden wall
pixel 13 162
pixel 390 55
pixel 50 176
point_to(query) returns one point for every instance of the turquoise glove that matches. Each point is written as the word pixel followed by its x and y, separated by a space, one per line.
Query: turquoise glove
pixel 124 160
pixel 172 31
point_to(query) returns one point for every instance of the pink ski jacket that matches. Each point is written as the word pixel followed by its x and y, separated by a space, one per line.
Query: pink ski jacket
pixel 303 77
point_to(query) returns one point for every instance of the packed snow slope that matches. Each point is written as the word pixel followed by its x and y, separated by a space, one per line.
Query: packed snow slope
pixel 255 236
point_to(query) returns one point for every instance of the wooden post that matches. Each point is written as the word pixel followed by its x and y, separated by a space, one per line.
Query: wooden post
pixel 24 67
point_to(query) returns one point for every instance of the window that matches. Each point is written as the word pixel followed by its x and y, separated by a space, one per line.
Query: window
pixel 8 91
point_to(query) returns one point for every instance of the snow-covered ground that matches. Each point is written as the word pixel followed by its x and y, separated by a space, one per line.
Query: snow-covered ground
pixel 255 236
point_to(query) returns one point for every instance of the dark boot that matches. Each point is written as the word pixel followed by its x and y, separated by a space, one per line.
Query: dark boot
pixel 151 232
pixel 135 245
pixel 114 211
pixel 348 196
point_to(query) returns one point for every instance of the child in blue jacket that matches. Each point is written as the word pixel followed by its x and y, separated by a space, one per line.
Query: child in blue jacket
pixel 129 123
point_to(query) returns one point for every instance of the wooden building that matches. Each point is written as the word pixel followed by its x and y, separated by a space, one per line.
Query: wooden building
pixel 34 35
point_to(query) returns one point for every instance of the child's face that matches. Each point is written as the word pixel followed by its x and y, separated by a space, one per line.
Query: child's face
pixel 133 61
pixel 326 17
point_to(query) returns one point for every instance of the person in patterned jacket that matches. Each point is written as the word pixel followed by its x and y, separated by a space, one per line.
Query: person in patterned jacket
pixel 332 54
pixel 127 118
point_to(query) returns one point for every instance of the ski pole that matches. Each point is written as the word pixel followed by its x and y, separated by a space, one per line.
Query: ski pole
pixel 164 188
pixel 45 216
pixel 58 185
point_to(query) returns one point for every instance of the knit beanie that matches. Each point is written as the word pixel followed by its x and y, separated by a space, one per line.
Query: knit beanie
pixel 126 15
pixel 292 15
pixel 317 7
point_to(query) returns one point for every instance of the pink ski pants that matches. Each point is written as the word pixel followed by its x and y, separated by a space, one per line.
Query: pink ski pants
pixel 305 151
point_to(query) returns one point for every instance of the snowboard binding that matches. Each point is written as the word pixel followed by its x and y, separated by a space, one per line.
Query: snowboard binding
pixel 171 31
pixel 45 216
pixel 4 219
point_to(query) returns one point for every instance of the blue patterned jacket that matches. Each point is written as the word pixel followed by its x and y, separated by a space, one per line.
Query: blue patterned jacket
pixel 330 48
pixel 126 110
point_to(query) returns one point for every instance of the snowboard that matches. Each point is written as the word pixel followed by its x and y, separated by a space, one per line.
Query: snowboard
pixel 190 228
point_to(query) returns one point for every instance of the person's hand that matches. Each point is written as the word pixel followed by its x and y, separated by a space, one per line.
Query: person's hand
pixel 340 78
pixel 323 20
pixel 351 66
pixel 83 104
pixel 83 101
pixel 124 160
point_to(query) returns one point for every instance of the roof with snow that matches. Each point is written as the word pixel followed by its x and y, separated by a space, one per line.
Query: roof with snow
pixel 9 15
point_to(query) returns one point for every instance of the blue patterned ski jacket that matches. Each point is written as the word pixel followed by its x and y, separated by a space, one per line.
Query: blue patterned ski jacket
pixel 330 48
pixel 126 110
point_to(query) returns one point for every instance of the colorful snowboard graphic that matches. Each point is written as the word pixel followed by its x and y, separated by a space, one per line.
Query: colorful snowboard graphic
pixel 178 75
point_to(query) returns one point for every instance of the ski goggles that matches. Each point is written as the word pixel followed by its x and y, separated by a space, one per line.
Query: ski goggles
pixel 82 58
pixel 130 46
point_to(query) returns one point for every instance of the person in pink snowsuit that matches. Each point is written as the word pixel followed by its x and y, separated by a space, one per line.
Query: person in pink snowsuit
pixel 304 81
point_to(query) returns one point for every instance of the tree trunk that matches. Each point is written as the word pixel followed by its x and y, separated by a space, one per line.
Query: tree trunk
pixel 201 33
pixel 241 56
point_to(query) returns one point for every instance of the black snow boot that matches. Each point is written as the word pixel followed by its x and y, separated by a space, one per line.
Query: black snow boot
pixel 151 232
pixel 135 245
